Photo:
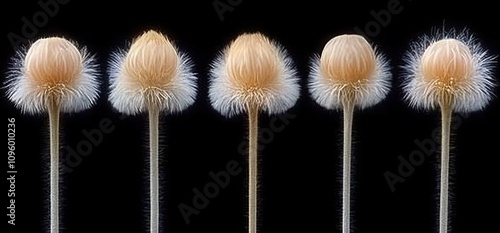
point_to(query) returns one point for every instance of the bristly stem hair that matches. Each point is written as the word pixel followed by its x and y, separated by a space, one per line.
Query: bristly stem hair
pixel 54 113
pixel 253 114
pixel 154 169
pixel 446 114
pixel 348 109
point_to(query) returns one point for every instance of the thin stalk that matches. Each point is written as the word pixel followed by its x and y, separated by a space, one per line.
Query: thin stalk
pixel 153 169
pixel 346 178
pixel 53 110
pixel 252 168
pixel 445 167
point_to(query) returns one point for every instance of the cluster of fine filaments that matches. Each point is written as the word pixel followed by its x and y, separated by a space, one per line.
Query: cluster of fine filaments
pixel 349 69
pixel 255 71
pixel 448 69
pixel 151 73
pixel 52 69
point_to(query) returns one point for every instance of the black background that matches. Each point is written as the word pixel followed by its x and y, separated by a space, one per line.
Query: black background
pixel 300 166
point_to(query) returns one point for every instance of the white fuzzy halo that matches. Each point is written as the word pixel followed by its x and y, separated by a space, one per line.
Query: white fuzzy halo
pixel 328 93
pixel 129 98
pixel 32 98
pixel 230 100
pixel 471 96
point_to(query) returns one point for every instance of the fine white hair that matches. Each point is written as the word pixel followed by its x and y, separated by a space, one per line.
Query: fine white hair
pixel 128 96
pixel 472 94
pixel 230 99
pixel 329 93
pixel 32 98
